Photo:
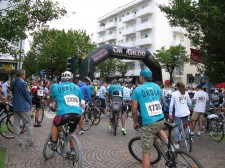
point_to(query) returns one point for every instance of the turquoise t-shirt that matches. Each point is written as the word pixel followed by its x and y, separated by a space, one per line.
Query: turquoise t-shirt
pixel 91 89
pixel 68 97
pixel 115 87
pixel 148 96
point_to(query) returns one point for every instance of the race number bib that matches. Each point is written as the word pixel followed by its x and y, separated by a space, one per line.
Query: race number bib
pixel 153 108
pixel 40 93
pixel 71 100
pixel 126 93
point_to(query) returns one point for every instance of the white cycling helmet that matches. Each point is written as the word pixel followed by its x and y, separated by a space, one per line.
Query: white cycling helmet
pixel 66 76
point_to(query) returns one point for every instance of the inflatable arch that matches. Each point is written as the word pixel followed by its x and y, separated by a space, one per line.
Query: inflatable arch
pixel 103 52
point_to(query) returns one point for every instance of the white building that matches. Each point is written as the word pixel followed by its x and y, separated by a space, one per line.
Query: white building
pixel 141 24
pixel 8 64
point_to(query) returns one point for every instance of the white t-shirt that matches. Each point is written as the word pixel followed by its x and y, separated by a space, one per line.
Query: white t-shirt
pixel 181 103
pixel 166 92
pixel 200 98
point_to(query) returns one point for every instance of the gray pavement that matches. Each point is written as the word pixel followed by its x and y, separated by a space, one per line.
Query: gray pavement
pixel 102 150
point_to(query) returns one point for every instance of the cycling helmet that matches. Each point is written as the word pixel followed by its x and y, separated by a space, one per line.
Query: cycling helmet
pixel 66 76
pixel 87 79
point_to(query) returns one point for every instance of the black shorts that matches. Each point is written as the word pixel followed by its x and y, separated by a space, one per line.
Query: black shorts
pixel 102 102
pixel 61 120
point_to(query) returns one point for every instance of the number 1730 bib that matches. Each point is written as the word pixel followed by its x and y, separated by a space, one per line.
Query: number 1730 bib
pixel 153 108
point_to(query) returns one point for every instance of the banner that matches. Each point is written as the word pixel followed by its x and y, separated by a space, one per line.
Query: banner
pixel 196 56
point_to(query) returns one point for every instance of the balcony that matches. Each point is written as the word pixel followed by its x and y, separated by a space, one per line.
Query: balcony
pixel 177 42
pixel 129 31
pixel 100 40
pixel 100 29
pixel 129 18
pixel 129 44
pixel 178 30
pixel 144 12
pixel 144 41
pixel 110 25
pixel 110 37
pixel 144 26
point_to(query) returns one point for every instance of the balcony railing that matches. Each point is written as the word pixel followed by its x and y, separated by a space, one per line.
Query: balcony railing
pixel 144 26
pixel 110 25
pixel 110 37
pixel 129 44
pixel 144 41
pixel 100 29
pixel 128 18
pixel 144 12
pixel 129 31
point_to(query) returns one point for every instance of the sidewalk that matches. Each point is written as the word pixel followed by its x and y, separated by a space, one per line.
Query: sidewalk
pixel 103 150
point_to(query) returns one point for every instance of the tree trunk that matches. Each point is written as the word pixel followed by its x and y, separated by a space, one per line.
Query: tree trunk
pixel 171 77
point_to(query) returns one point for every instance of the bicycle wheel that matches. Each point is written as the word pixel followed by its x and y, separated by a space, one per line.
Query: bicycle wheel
pixel 185 159
pixel 10 121
pixel 4 131
pixel 135 150
pixel 115 122
pixel 95 116
pixel 187 140
pixel 72 152
pixel 41 115
pixel 47 152
pixel 87 121
pixel 216 129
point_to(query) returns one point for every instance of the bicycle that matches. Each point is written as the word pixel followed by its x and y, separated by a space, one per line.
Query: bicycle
pixel 41 112
pixel 215 123
pixel 91 117
pixel 116 105
pixel 68 146
pixel 6 122
pixel 185 133
pixel 173 158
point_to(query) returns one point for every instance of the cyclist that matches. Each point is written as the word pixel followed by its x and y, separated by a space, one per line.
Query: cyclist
pixel 126 98
pixel 147 98
pixel 103 96
pixel 113 87
pixel 200 99
pixel 87 97
pixel 181 100
pixel 68 97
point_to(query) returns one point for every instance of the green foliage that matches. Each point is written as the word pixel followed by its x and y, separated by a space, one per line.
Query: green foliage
pixel 21 18
pixel 204 21
pixel 110 66
pixel 171 58
pixel 51 48
pixel 2 157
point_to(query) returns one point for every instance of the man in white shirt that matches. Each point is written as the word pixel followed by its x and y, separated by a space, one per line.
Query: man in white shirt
pixel 200 99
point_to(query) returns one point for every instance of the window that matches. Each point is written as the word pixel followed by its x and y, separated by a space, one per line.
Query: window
pixel 131 66
pixel 144 35
pixel 134 11
pixel 133 38
pixel 128 13
pixel 111 20
pixel 116 19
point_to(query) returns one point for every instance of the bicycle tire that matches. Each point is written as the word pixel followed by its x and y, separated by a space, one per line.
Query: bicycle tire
pixel 195 164
pixel 115 123
pixel 9 124
pixel 45 148
pixel 216 129
pixel 41 115
pixel 187 139
pixel 96 116
pixel 4 131
pixel 87 121
pixel 139 159
pixel 67 155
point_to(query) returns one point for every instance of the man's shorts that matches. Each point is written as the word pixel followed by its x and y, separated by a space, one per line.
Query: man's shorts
pixel 148 134
pixel 61 120
pixel 196 116
pixel 103 104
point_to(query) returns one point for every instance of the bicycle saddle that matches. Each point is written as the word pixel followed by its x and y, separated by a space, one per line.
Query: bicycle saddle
pixel 170 125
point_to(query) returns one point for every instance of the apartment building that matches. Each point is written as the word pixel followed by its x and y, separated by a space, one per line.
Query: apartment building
pixel 8 64
pixel 141 24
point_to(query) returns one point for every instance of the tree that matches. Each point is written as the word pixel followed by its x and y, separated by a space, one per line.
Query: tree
pixel 23 17
pixel 204 21
pixel 171 58
pixel 122 68
pixel 51 48
pixel 107 68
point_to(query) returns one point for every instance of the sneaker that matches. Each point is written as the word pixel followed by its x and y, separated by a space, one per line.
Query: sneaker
pixel 199 135
pixel 81 132
pixel 110 127
pixel 52 146
pixel 176 146
pixel 123 130
pixel 37 125
pixel 192 134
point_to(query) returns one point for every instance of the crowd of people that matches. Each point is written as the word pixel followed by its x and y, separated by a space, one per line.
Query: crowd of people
pixel 153 101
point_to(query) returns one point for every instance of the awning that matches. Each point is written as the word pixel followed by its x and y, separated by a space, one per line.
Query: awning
pixel 125 80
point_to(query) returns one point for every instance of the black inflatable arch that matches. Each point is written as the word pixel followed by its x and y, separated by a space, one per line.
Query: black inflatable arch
pixel 105 51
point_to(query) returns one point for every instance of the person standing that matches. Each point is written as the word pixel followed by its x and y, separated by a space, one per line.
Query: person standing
pixel 5 89
pixel 200 99
pixel 146 99
pixel 21 107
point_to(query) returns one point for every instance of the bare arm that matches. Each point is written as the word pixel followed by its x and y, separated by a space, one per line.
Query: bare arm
pixel 134 112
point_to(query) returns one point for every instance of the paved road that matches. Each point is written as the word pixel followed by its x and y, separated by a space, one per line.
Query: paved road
pixel 102 150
